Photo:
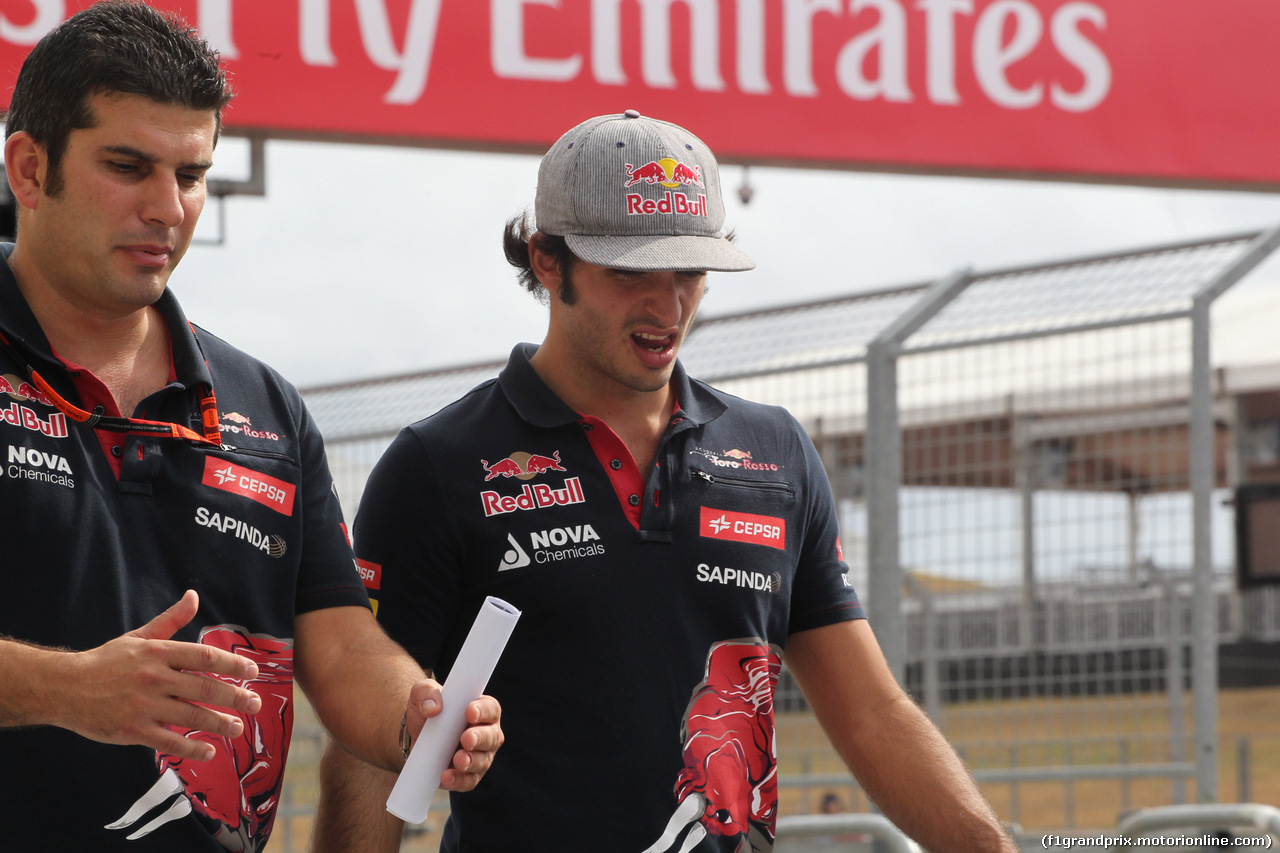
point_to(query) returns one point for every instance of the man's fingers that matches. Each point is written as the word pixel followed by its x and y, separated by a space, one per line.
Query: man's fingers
pixel 171 743
pixel 172 620
pixel 185 715
pixel 484 710
pixel 424 697
pixel 197 657
pixel 218 694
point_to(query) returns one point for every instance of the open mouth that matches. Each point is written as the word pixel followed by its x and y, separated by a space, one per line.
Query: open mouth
pixel 654 343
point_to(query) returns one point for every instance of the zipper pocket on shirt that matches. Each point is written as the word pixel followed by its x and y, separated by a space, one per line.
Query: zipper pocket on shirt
pixel 264 454
pixel 741 483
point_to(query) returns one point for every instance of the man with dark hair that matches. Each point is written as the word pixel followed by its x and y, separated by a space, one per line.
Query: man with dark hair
pixel 175 551
pixel 666 542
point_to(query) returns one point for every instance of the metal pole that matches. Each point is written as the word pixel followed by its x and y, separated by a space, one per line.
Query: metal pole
pixel 882 457
pixel 1204 615
pixel 1175 687
pixel 883 461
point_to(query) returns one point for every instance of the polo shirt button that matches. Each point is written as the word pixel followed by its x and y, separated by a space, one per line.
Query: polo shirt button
pixel 635 500
pixel 117 451
pixel 616 464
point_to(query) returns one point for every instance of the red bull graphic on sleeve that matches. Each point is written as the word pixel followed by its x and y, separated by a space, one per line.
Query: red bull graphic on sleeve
pixel 236 793
pixel 729 784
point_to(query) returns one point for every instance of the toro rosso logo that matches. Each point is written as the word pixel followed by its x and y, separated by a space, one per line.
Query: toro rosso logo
pixel 522 466
pixel 729 784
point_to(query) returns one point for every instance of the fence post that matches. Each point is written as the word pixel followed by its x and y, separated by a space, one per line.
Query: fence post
pixel 882 458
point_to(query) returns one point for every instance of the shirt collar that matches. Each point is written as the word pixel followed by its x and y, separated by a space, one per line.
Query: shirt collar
pixel 540 407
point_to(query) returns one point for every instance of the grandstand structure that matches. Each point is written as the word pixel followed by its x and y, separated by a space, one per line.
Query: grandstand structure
pixel 1035 470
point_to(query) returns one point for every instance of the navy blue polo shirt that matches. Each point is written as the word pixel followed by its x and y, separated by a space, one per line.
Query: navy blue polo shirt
pixel 637 688
pixel 106 530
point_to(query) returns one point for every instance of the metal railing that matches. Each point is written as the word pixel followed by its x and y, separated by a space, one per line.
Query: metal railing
pixel 816 825
pixel 1222 816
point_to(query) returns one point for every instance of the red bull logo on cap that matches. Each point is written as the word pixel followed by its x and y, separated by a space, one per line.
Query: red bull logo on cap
pixel 669 173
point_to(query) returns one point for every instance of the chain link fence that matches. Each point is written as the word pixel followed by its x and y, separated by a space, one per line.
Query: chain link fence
pixel 1033 469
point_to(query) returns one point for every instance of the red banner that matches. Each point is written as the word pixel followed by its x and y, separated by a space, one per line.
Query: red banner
pixel 1179 92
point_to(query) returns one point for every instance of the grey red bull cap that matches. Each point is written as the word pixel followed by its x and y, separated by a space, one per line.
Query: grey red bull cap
pixel 636 193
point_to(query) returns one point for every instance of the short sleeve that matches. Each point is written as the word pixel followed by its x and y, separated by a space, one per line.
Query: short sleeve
pixel 405 542
pixel 327 574
pixel 823 593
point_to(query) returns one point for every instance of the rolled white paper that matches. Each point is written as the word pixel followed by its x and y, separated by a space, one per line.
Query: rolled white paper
pixel 410 799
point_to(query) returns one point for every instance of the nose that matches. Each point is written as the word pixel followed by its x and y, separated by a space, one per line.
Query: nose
pixel 666 298
pixel 164 202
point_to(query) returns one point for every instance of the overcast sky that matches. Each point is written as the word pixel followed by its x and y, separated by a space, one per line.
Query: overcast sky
pixel 363 261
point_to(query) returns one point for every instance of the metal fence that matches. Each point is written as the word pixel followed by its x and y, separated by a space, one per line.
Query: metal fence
pixel 1030 467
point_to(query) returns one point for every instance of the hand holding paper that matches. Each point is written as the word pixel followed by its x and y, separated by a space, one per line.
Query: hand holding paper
pixel 411 797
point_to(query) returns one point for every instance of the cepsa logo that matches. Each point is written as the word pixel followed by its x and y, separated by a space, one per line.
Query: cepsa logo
pixel 256 486
pixel 370 573
pixel 744 527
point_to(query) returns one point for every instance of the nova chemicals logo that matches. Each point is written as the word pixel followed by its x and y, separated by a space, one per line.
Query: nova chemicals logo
pixel 552 546
pixel 27 463
pixel 515 557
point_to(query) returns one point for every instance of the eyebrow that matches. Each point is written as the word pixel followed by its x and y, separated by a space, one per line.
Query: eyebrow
pixel 136 154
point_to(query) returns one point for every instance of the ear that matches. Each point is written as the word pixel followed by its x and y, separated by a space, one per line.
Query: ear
pixel 25 163
pixel 545 268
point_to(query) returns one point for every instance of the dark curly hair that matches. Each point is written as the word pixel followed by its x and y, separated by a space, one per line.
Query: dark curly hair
pixel 516 235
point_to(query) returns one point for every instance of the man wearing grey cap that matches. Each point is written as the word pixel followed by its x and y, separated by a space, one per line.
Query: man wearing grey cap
pixel 669 546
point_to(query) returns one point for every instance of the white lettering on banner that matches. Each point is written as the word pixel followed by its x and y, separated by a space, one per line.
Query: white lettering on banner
pixel 940 33
pixel 889 38
pixel 873 64
pixel 506 45
pixel 1083 54
pixel 49 13
pixel 411 64
pixel 886 41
